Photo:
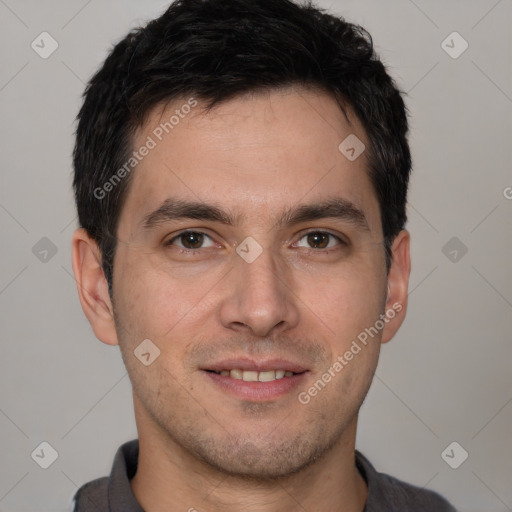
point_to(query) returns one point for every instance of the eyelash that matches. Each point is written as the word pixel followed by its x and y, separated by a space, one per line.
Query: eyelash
pixel 183 250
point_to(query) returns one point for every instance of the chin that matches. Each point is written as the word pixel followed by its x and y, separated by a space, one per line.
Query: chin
pixel 262 460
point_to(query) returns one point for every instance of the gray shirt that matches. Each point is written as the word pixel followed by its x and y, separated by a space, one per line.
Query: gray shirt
pixel 385 493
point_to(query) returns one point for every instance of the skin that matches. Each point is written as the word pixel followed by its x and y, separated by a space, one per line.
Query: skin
pixel 252 155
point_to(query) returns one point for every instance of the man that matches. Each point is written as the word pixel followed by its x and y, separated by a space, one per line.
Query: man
pixel 241 169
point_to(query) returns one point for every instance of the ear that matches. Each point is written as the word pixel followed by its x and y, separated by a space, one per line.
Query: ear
pixel 398 284
pixel 92 287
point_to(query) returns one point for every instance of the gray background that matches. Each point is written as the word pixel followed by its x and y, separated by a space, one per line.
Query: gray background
pixel 447 374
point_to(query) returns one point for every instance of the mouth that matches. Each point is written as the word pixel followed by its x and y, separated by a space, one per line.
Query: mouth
pixel 256 380
pixel 255 376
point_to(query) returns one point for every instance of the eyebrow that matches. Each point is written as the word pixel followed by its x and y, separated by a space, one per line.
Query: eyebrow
pixel 176 209
pixel 173 209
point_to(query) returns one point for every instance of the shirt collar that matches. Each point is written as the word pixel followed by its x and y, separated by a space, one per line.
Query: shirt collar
pixel 120 494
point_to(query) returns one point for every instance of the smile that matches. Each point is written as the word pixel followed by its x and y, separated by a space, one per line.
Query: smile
pixel 257 381
pixel 255 376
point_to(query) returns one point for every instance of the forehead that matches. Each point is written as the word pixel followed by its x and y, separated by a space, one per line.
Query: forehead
pixel 255 154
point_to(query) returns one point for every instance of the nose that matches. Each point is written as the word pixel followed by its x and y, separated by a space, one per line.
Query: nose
pixel 259 297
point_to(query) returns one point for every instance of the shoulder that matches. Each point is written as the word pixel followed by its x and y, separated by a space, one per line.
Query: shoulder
pixel 106 493
pixel 410 497
pixel 386 492
pixel 92 496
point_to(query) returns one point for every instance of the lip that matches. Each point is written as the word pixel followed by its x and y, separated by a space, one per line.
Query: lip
pixel 256 366
pixel 256 391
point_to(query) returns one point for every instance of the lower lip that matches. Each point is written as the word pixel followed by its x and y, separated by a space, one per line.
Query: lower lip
pixel 257 391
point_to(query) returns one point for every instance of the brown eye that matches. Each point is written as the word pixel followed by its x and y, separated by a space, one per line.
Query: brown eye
pixel 191 240
pixel 320 240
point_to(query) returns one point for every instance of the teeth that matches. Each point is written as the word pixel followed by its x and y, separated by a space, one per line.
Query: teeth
pixel 253 376
pixel 267 376
pixel 250 376
pixel 236 374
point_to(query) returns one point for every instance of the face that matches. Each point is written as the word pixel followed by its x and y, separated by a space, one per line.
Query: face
pixel 258 294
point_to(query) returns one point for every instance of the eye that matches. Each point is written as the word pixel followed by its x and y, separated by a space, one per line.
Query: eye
pixel 191 240
pixel 320 240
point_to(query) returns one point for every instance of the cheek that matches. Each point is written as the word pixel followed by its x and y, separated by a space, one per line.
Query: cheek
pixel 152 295
pixel 169 308
pixel 346 300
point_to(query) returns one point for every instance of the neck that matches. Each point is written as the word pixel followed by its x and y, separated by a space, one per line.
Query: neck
pixel 171 478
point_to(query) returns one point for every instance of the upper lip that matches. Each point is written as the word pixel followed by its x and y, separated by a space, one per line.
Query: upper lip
pixel 256 365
